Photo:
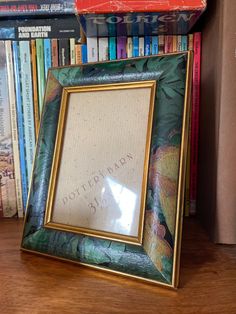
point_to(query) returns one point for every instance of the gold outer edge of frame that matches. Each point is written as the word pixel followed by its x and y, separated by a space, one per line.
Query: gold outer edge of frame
pixel 57 153
pixel 182 173
pixel 178 228
pixel 138 278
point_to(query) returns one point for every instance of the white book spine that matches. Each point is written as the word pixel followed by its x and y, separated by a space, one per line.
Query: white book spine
pixel 14 131
pixel 92 49
pixel 141 46
pixel 103 49
pixel 129 47
pixel 72 51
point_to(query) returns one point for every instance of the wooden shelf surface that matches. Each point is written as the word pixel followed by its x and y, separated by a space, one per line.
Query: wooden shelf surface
pixel 35 284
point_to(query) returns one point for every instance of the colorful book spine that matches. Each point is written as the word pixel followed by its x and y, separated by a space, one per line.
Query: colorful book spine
pixel 147 45
pixel 112 48
pixel 47 56
pixel 14 130
pixel 168 47
pixel 103 49
pixel 78 54
pixel 179 43
pixel 135 46
pixel 84 53
pixel 184 43
pixel 161 44
pixel 195 120
pixel 54 52
pixel 40 71
pixel 27 103
pixel 174 43
pixel 92 49
pixel 155 50
pixel 121 47
pixel 35 85
pixel 7 181
pixel 72 51
pixel 20 122
pixel 129 47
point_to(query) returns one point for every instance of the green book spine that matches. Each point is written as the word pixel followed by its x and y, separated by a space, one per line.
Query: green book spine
pixel 40 71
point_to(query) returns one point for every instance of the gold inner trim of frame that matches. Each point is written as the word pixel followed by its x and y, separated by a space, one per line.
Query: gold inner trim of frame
pixel 48 223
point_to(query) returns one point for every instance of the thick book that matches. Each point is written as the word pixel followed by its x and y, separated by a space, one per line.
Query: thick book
pixel 34 7
pixel 217 151
pixel 14 129
pixel 7 176
pixel 150 17
pixel 31 28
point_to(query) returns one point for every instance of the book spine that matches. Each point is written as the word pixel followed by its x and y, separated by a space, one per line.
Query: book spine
pixel 174 43
pixel 168 47
pixel 155 45
pixel 40 71
pixel 92 49
pixel 47 56
pixel 195 120
pixel 7 181
pixel 129 47
pixel 161 44
pixel 190 41
pixel 103 49
pixel 141 46
pixel 112 48
pixel 20 122
pixel 35 86
pixel 121 47
pixel 72 51
pixel 179 43
pixel 184 43
pixel 27 103
pixel 14 130
pixel 54 52
pixel 78 54
pixel 63 51
pixel 84 53
pixel 147 45
pixel 28 8
pixel 135 46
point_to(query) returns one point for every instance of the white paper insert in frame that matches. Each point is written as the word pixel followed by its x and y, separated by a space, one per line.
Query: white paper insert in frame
pixel 100 176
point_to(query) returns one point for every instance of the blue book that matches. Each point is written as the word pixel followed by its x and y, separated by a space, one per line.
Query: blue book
pixel 155 45
pixel 135 46
pixel 47 55
pixel 20 123
pixel 112 48
pixel 184 43
pixel 147 45
pixel 27 104
pixel 84 53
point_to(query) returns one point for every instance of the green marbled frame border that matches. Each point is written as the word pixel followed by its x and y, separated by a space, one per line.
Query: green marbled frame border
pixel 158 259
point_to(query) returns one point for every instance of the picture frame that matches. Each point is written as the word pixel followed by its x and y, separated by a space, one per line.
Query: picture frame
pixel 107 188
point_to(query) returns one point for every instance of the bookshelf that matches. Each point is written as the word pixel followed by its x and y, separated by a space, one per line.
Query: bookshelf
pixel 207 278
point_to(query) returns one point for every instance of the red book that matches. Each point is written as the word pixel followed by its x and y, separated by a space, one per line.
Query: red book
pixel 150 17
pixel 195 120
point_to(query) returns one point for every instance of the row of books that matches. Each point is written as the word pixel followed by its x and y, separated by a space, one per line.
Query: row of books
pixel 112 48
pixel 23 71
pixel 24 66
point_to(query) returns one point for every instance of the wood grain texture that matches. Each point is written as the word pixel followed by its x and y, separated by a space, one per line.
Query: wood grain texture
pixel 35 284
